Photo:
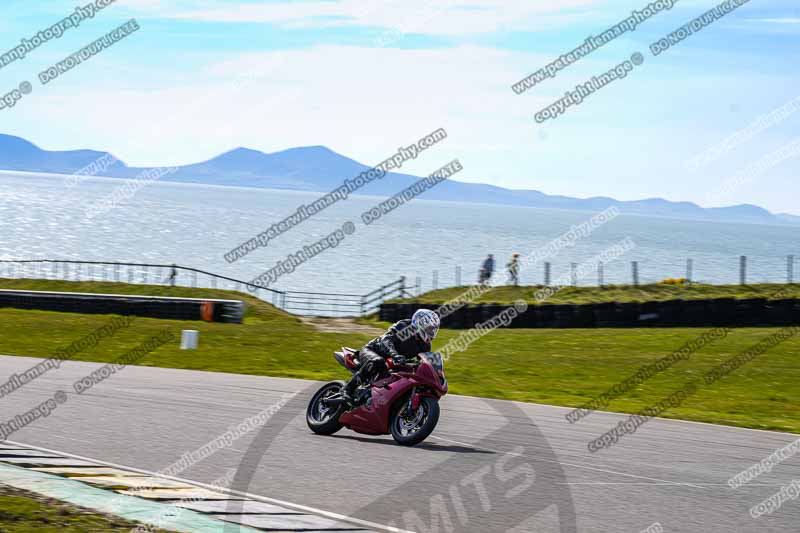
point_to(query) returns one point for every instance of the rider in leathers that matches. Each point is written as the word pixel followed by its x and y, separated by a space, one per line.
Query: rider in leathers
pixel 404 340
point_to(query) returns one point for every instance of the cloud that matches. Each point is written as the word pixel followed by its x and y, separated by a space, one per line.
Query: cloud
pixel 444 17
pixel 783 20
pixel 362 102
pixel 365 101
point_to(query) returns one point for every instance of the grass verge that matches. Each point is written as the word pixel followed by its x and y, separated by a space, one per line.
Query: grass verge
pixel 560 367
pixel 23 512
pixel 614 293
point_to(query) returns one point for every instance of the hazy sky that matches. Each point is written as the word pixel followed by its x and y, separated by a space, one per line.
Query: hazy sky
pixel 205 76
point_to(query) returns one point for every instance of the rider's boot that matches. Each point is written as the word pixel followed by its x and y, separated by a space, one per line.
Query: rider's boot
pixel 362 376
pixel 349 390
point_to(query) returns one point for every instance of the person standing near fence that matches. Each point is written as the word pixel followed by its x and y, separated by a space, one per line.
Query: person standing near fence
pixel 487 269
pixel 513 269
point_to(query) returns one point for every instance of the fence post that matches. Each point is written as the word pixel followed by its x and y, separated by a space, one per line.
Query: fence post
pixel 402 287
pixel 689 268
pixel 547 274
pixel 435 281
pixel 573 276
pixel 600 273
pixel 145 274
pixel 130 274
pixel 635 272
pixel 419 285
pixel 213 282
pixel 116 272
pixel 458 276
pixel 742 270
pixel 790 269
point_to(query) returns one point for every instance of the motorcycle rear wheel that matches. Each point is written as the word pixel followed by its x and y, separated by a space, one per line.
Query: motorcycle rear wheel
pixel 321 419
pixel 409 429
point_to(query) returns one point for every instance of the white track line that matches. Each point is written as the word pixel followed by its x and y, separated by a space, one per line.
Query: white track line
pixel 596 469
pixel 662 484
pixel 256 497
pixel 695 422
pixel 624 414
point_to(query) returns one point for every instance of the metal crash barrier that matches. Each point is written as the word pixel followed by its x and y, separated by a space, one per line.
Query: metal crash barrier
pixel 230 311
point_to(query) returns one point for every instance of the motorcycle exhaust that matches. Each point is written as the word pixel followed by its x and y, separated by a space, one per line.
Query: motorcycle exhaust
pixel 333 401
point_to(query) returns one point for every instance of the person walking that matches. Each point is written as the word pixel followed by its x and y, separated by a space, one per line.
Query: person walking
pixel 173 275
pixel 513 269
pixel 487 269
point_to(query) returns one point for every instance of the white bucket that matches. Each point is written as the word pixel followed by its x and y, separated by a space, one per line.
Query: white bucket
pixel 189 339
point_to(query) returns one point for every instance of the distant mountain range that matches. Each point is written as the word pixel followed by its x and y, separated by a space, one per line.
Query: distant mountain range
pixel 316 168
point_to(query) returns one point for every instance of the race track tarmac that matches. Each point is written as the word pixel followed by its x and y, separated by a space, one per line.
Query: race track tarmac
pixel 489 466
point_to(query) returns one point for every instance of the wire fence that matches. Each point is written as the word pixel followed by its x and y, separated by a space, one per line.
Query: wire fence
pixel 296 302
pixel 742 270
pixel 738 270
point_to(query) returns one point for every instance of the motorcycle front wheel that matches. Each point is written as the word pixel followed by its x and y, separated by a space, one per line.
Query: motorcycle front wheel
pixel 323 419
pixel 410 427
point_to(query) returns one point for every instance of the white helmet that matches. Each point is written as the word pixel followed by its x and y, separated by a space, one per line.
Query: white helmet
pixel 426 323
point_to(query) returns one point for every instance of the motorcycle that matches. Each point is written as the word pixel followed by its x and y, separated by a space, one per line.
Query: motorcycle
pixel 404 401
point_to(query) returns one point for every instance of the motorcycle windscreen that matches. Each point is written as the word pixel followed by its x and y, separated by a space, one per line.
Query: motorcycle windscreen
pixel 436 361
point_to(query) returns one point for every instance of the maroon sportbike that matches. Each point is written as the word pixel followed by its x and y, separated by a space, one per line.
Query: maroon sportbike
pixel 404 401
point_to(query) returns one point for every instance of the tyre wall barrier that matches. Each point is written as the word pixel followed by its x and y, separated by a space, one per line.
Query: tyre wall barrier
pixel 210 310
pixel 755 312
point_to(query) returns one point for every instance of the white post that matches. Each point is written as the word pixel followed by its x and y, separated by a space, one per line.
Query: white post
pixel 189 339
